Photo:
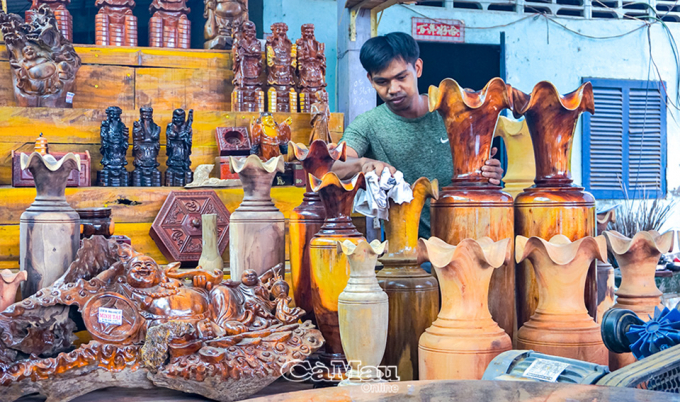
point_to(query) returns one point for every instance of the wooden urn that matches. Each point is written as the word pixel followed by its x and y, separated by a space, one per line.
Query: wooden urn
pixel 553 205
pixel 413 293
pixel 561 325
pixel 330 269
pixel 464 339
pixel 471 207
pixel 363 312
pixel 637 259
pixel 306 220
pixel 256 228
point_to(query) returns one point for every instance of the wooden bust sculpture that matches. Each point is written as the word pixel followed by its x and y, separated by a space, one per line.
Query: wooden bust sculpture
pixel 222 19
pixel 115 140
pixel 42 60
pixel 169 25
pixel 248 95
pixel 64 20
pixel 281 63
pixel 115 25
pixel 146 145
pixel 311 67
pixel 179 139
pixel 268 138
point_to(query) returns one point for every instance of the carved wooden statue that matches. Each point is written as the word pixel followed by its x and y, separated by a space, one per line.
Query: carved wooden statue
pixel 115 140
pixel 146 144
pixel 311 67
pixel 269 138
pixel 223 17
pixel 42 60
pixel 115 25
pixel 64 20
pixel 169 25
pixel 179 138
pixel 321 117
pixel 281 64
pixel 186 330
pixel 248 95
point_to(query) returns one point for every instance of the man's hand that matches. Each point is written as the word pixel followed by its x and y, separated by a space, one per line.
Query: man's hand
pixel 492 169
pixel 369 165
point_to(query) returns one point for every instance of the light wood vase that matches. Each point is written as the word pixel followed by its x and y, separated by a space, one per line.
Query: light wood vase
pixel 256 228
pixel 413 293
pixel 210 256
pixel 363 313
pixel 330 269
pixel 471 208
pixel 306 220
pixel 9 283
pixel 606 281
pixel 553 205
pixel 561 325
pixel 637 259
pixel 464 339
pixel 521 164
pixel 49 230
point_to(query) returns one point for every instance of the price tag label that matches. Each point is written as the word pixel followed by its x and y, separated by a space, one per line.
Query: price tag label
pixel 110 316
pixel 545 370
pixel 69 97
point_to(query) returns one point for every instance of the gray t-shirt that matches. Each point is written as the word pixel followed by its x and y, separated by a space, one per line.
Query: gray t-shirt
pixel 417 147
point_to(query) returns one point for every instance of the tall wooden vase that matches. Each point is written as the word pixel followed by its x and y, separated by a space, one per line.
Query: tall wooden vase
pixel 561 325
pixel 363 312
pixel 637 258
pixel 553 205
pixel 330 269
pixel 413 293
pixel 210 259
pixel 306 220
pixel 471 207
pixel 464 339
pixel 606 282
pixel 521 164
pixel 49 230
pixel 256 228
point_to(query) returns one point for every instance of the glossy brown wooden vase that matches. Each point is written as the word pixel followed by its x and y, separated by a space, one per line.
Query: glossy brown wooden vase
pixel 464 339
pixel 330 269
pixel 306 220
pixel 471 207
pixel 553 205
pixel 561 325
pixel 413 293
pixel 637 258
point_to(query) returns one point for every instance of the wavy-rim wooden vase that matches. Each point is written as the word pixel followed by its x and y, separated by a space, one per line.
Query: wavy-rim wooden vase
pixel 363 312
pixel 9 283
pixel 606 282
pixel 413 293
pixel 471 207
pixel 521 164
pixel 637 259
pixel 553 205
pixel 306 220
pixel 561 325
pixel 464 339
pixel 256 228
pixel 330 269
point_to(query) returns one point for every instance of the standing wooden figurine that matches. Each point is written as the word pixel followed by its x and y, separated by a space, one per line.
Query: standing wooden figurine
pixel 64 20
pixel 169 25
pixel 179 138
pixel 223 17
pixel 281 64
pixel 146 144
pixel 115 138
pixel 311 67
pixel 268 138
pixel 115 25
pixel 321 117
pixel 248 95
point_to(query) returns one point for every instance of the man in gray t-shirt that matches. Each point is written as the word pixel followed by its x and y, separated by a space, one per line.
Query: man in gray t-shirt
pixel 401 134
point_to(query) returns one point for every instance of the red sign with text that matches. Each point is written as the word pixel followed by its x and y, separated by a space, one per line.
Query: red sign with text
pixel 440 30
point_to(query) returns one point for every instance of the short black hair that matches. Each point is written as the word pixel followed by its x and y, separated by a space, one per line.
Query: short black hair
pixel 377 53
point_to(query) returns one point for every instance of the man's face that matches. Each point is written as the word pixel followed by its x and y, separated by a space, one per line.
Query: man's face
pixel 397 85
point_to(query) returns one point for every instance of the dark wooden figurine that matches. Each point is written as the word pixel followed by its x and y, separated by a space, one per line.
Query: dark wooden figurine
pixel 146 144
pixel 179 137
pixel 248 95
pixel 281 64
pixel 64 20
pixel 311 64
pixel 42 60
pixel 223 17
pixel 115 138
pixel 169 25
pixel 115 25
pixel 268 138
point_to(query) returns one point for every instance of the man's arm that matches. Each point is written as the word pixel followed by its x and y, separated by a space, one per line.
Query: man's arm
pixel 354 165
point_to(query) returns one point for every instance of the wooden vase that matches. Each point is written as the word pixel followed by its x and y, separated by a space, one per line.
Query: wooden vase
pixel 413 293
pixel 606 281
pixel 256 228
pixel 521 164
pixel 553 205
pixel 211 259
pixel 330 269
pixel 306 220
pixel 464 339
pixel 471 207
pixel 9 283
pixel 363 312
pixel 561 325
pixel 49 230
pixel 637 259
